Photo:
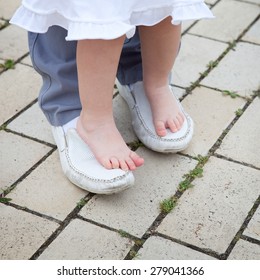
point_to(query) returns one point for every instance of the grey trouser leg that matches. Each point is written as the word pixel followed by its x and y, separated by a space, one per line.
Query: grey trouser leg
pixel 55 60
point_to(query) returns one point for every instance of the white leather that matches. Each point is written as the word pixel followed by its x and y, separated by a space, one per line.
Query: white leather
pixel 82 169
pixel 143 126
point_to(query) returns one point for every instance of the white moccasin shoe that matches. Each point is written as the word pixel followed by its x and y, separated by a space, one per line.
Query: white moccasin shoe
pixel 82 169
pixel 143 126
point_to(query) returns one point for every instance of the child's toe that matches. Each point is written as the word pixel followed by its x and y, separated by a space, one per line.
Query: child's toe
pixel 114 163
pixel 123 164
pixel 106 163
pixel 160 128
pixel 138 161
pixel 130 163
pixel 171 124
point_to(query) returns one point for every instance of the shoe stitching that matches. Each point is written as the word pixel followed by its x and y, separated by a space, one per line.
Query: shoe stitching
pixel 116 179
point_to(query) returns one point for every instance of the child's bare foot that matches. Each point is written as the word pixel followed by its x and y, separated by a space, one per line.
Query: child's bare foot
pixel 165 110
pixel 107 144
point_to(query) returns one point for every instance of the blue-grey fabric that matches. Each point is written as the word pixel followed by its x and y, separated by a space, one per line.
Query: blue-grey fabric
pixel 54 59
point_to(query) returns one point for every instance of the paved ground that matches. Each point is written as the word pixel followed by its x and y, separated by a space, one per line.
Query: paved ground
pixel 217 77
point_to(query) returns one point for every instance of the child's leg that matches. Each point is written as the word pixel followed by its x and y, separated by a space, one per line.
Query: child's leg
pixel 97 62
pixel 160 44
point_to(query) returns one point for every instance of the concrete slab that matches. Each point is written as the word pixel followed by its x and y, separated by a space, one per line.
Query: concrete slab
pixel 135 209
pixel 2 23
pixel 193 58
pixel 222 27
pixel 242 142
pixel 245 251
pixel 238 71
pixel 179 92
pixel 46 190
pixel 27 61
pixel 210 2
pixel 157 248
pixel 210 214
pixel 13 42
pixel 253 34
pixel 22 233
pixel 253 1
pixel 253 228
pixel 123 119
pixel 212 113
pixel 84 241
pixel 17 156
pixel 1 67
pixel 33 123
pixel 15 96
pixel 7 11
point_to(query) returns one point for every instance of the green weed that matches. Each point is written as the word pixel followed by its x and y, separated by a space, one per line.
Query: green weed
pixel 8 64
pixel 167 205
pixel 5 199
pixel 232 94
pixel 239 112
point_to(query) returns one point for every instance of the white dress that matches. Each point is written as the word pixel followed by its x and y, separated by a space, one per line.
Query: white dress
pixel 104 19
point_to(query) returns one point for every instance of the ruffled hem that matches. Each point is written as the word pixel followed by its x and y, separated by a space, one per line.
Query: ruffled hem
pixel 79 30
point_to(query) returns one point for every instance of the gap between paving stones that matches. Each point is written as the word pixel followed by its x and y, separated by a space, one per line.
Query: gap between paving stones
pixel 241 230
pixel 218 143
pixel 151 231
pixel 214 63
pixel 3 69
pixel 63 224
pixel 30 138
pixel 27 173
pixel 210 6
pixel 250 239
pixel 5 124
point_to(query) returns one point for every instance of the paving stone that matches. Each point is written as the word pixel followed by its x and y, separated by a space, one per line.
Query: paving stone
pixel 186 24
pixel 13 42
pixel 210 214
pixel 253 1
pixel 84 241
pixel 194 56
pixel 253 228
pixel 253 34
pixel 135 209
pixel 212 113
pixel 245 251
pixel 238 71
pixel 7 10
pixel 33 123
pixel 17 156
pixel 14 96
pixel 179 92
pixel 157 248
pixel 22 233
pixel 227 26
pixel 27 61
pixel 1 68
pixel 47 190
pixel 210 2
pixel 242 142
pixel 123 119
pixel 2 23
